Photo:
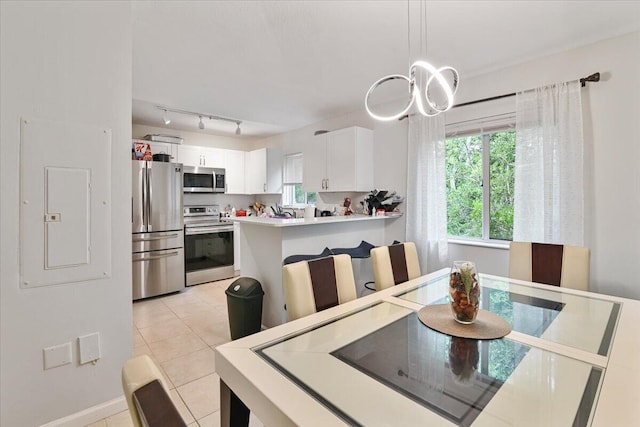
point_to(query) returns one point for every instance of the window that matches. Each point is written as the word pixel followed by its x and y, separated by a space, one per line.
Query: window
pixel 292 192
pixel 480 177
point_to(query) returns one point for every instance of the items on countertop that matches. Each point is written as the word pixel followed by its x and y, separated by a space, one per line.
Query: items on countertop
pixel 380 201
pixel 347 206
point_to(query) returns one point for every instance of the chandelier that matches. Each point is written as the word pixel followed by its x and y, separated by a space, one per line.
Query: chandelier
pixel 429 76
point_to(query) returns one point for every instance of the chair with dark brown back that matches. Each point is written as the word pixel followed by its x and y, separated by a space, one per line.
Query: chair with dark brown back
pixel 394 264
pixel 550 264
pixel 315 285
pixel 147 395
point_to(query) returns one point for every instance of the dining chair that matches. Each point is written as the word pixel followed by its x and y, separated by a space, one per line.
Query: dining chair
pixel 147 394
pixel 315 285
pixel 394 264
pixel 550 264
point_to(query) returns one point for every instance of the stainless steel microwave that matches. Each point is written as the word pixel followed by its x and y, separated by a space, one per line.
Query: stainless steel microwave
pixel 203 180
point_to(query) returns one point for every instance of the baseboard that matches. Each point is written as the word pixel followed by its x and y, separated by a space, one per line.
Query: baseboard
pixel 91 415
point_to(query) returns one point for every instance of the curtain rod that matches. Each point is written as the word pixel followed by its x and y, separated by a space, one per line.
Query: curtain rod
pixel 595 77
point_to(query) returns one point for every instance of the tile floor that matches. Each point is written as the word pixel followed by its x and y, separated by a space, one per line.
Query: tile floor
pixel 179 332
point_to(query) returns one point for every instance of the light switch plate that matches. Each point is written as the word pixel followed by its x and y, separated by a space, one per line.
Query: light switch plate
pixel 58 355
pixel 89 347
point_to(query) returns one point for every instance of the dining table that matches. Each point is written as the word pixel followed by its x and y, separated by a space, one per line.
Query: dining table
pixel 571 358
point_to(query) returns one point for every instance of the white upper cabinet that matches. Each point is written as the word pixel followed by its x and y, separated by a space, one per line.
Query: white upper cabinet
pixel 191 155
pixel 252 172
pixel 263 171
pixel 339 161
pixel 235 171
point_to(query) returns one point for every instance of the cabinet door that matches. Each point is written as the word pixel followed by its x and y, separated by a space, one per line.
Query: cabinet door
pixel 256 171
pixel 314 158
pixel 234 165
pixel 341 155
pixel 190 155
pixel 274 170
pixel 214 157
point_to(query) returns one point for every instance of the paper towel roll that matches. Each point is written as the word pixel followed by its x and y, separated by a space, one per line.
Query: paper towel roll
pixel 310 212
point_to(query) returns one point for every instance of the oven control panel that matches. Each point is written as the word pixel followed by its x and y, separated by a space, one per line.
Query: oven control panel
pixel 211 210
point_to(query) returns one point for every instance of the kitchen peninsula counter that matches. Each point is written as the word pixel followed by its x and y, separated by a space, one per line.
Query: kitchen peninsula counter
pixel 266 242
pixel 294 222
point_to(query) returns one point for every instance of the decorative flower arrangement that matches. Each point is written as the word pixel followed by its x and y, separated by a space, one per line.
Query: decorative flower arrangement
pixel 464 291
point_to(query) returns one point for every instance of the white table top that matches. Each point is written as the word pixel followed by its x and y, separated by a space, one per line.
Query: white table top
pixel 288 375
pixel 295 222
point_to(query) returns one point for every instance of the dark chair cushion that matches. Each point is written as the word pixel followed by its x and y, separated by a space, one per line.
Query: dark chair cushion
pixel 297 258
pixel 363 250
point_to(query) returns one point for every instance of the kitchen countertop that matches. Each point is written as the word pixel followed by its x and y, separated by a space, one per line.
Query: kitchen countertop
pixel 294 222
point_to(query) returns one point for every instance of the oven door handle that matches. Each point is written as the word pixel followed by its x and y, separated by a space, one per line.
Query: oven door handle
pixel 207 230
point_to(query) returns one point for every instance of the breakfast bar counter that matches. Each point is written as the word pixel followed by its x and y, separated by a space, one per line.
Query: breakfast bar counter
pixel 294 222
pixel 266 242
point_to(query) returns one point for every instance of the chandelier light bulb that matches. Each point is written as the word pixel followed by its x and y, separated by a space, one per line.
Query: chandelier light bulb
pixel 201 124
pixel 238 131
pixel 166 118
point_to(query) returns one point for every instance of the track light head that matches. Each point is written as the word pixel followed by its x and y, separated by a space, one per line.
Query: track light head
pixel 201 124
pixel 166 118
pixel 238 128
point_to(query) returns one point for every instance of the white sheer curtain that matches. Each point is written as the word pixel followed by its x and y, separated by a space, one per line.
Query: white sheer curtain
pixel 549 194
pixel 427 191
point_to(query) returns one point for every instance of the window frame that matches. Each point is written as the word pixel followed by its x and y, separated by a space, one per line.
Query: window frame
pixel 484 128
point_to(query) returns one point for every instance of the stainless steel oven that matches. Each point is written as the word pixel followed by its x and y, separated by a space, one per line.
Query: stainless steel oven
pixel 208 245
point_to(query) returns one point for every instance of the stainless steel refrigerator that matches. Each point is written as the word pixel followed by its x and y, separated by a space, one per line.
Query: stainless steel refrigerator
pixel 157 226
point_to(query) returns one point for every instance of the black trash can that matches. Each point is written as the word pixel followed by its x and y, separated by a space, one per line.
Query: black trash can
pixel 244 303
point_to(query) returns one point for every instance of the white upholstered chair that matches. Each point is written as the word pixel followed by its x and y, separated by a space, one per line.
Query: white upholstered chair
pixel 315 285
pixel 559 265
pixel 147 394
pixel 394 264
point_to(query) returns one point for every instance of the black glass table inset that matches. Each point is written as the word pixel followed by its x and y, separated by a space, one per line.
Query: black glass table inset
pixel 454 377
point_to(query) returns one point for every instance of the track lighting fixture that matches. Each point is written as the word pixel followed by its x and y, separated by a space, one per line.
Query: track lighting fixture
pixel 200 116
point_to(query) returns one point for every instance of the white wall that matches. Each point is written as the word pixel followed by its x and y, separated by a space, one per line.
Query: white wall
pixel 611 110
pixel 66 62
pixel 611 113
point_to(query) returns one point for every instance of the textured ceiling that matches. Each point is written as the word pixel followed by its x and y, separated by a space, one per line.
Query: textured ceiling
pixel 281 65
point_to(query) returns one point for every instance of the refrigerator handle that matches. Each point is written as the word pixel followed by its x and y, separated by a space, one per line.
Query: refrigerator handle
pixel 147 193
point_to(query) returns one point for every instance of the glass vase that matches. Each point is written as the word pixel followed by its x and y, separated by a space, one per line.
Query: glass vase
pixel 464 291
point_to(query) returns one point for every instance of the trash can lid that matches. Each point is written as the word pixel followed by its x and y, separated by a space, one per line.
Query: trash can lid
pixel 245 287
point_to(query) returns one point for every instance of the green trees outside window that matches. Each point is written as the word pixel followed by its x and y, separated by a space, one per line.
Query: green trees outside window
pixel 480 178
